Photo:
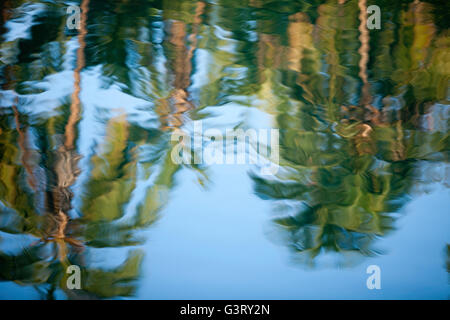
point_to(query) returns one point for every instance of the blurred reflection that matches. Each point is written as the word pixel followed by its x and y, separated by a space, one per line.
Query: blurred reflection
pixel 43 263
pixel 43 208
pixel 86 119
pixel 349 168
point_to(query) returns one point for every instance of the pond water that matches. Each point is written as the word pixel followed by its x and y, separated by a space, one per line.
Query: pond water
pixel 92 116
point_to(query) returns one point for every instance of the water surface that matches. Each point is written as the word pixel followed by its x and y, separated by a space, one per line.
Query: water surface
pixel 87 178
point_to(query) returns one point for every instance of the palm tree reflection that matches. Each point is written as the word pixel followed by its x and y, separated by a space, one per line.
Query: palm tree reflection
pixel 346 171
pixel 63 233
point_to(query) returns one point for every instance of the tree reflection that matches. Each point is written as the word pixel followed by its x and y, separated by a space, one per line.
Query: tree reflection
pixel 354 108
pixel 347 170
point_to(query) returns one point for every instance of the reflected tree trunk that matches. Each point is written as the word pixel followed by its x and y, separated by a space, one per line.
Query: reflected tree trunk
pixel 24 147
pixel 65 167
pixel 172 109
